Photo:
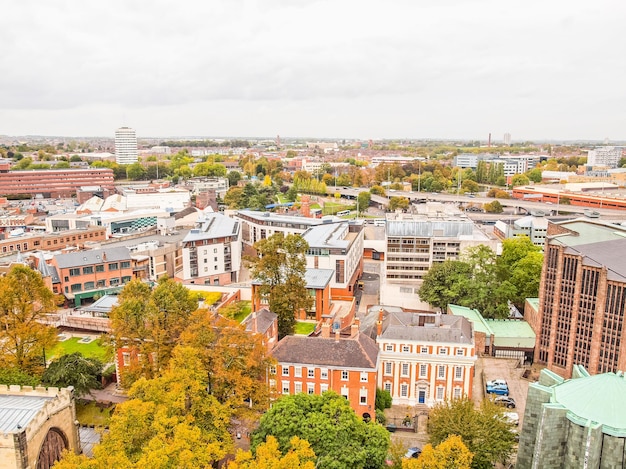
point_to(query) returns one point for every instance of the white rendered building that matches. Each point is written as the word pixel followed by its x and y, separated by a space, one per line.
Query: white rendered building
pixel 125 146
pixel 212 251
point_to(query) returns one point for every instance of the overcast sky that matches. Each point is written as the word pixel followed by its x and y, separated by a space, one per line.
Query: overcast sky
pixel 538 69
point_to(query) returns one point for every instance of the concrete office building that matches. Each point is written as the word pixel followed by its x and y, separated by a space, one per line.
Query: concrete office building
pixel 437 232
pixel 605 156
pixel 582 296
pixel 580 422
pixel 125 146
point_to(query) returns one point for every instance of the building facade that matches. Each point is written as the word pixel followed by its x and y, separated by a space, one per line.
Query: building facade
pixel 582 296
pixel 52 183
pixel 425 359
pixel 339 247
pixel 36 426
pixel 212 251
pixel 256 226
pixel 574 423
pixel 126 146
pixel 346 365
pixel 605 156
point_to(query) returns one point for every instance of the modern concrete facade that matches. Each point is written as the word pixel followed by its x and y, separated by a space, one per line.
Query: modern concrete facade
pixel 53 182
pixel 425 359
pixel 605 156
pixel 256 226
pixel 212 251
pixel 582 296
pixel 414 242
pixel 576 423
pixel 534 227
pixel 36 426
pixel 125 146
pixel 337 246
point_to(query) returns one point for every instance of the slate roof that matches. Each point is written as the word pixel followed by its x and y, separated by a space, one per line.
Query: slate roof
pixel 18 411
pixel 264 320
pixel 358 352
pixel 213 225
pixel 603 254
pixel 405 326
pixel 96 256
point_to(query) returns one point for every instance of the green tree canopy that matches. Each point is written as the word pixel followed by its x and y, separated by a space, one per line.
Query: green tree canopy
pixel 25 301
pixel 74 370
pixel 363 200
pixel 446 283
pixel 339 438
pixel 398 203
pixel 279 268
pixel 484 431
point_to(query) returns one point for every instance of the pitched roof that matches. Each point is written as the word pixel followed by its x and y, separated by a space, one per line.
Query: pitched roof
pixel 96 256
pixel 410 326
pixel 355 352
pixel 264 320
pixel 17 411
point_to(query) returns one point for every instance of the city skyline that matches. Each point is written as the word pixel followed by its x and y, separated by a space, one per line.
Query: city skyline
pixel 436 70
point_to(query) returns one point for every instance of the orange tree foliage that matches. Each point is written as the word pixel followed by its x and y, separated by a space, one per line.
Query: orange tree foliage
pixel 449 454
pixel 268 456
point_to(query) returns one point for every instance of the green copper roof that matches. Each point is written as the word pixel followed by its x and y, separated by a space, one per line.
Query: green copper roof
pixel 473 316
pixel 597 398
pixel 534 302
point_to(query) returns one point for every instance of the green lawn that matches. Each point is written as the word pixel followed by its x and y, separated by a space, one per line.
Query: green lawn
pixel 93 349
pixel 90 414
pixel 304 328
pixel 246 308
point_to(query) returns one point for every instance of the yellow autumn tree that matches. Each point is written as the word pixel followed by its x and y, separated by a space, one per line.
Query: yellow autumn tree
pixel 268 456
pixel 449 454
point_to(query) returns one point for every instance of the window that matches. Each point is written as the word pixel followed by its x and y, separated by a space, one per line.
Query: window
pixel 406 348
pixel 424 350
pixel 387 386
pixel 389 348
pixel 297 371
pixel 286 388
pixel 126 358
pixel 297 388
pixel 363 397
pixel 285 370
pixel 441 371
pixel 101 283
pixel 324 373
pixel 458 372
pixel 310 388
pixel 404 390
pixel 310 372
pixel 440 393
pixel 114 282
pixel 100 268
pixel 76 287
pixel 88 270
pixel 460 352
pixel 443 351
pixel 344 375
pixel 344 392
pixel 74 272
pixel 113 266
pixel 214 267
pixel 387 368
pixel 215 259
pixel 126 265
pixel 363 376
pixel 126 279
pixel 423 370
pixel 323 388
pixel 405 369
pixel 272 370
pixel 457 393
pixel 89 285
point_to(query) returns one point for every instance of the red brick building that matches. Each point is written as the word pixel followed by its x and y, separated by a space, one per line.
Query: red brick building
pixel 54 182
pixel 582 296
pixel 346 365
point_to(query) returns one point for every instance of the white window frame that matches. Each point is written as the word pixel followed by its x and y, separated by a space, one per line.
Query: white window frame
pixel 388 368
pixel 310 388
pixel 323 373
pixel 404 390
pixel 423 370
pixel 443 351
pixel 310 372
pixel 440 393
pixel 387 386
pixel 363 397
pixel 405 369
pixel 458 372
pixel 345 375
pixel 285 388
pixel 297 371
pixel 424 350
pixel 460 352
pixel 441 371
pixel 389 348
pixel 457 393
pixel 284 371
pixel 406 348
pixel 364 376
pixel 297 387
pixel 323 388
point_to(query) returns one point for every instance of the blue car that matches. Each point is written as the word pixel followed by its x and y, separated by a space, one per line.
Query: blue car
pixel 499 389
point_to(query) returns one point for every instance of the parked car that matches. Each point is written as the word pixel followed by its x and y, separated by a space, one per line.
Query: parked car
pixel 497 382
pixel 505 401
pixel 413 452
pixel 512 417
pixel 498 389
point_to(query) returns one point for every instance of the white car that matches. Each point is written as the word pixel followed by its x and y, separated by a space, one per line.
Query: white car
pixel 497 382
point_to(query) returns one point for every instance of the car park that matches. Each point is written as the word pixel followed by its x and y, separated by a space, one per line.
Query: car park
pixel 505 401
pixel 498 389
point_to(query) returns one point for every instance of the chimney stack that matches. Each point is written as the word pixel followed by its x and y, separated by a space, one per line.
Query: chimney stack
pixel 325 330
pixel 379 323
pixel 337 335
pixel 354 328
